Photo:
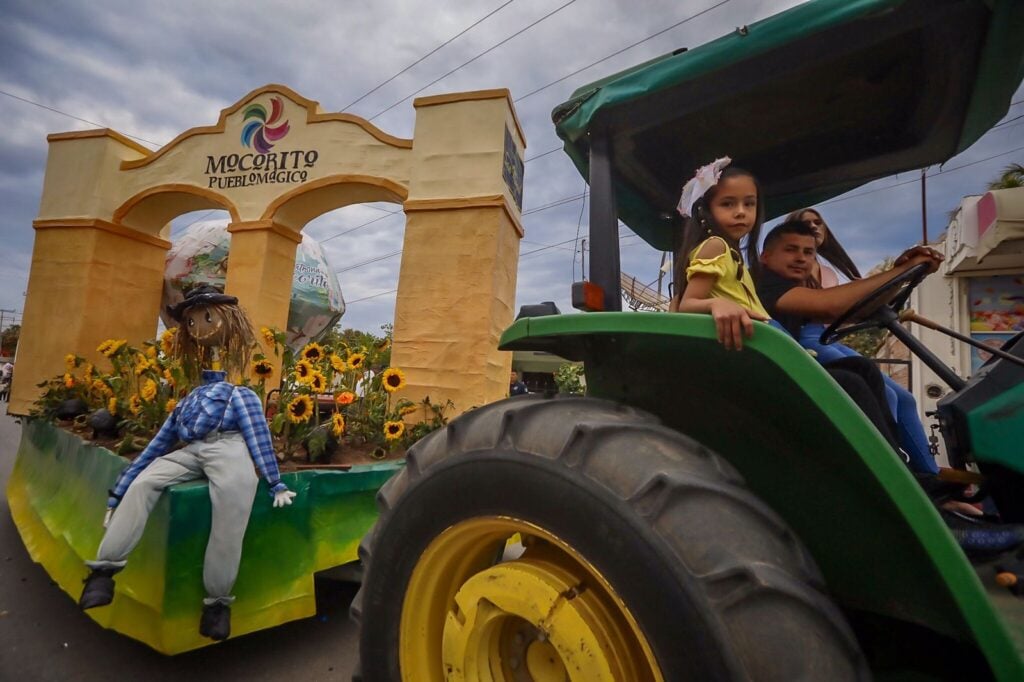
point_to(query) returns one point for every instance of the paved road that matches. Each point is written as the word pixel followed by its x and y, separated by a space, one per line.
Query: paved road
pixel 43 635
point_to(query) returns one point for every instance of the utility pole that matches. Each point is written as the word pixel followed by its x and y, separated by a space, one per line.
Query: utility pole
pixel 924 210
pixel 583 259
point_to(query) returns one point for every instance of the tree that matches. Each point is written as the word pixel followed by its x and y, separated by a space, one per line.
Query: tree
pixel 9 340
pixel 1013 176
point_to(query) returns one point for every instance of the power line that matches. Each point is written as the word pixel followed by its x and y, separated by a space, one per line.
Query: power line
pixel 447 42
pixel 907 182
pixel 470 61
pixel 620 51
pixel 77 118
pixel 368 262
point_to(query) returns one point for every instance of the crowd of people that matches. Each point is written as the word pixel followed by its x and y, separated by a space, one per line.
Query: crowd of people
pixel 793 285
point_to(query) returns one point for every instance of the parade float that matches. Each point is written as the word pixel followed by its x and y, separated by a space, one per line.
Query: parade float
pixel 274 161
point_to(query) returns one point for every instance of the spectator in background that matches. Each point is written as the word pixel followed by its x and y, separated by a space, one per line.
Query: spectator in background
pixel 6 376
pixel 515 385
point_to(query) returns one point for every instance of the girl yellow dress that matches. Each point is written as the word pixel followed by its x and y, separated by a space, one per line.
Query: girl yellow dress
pixel 729 283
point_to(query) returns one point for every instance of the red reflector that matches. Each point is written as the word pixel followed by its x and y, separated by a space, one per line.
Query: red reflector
pixel 587 296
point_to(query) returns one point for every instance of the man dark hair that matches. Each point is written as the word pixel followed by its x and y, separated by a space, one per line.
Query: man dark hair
pixel 788 227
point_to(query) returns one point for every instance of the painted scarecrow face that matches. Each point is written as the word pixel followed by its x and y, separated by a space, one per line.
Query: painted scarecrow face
pixel 205 324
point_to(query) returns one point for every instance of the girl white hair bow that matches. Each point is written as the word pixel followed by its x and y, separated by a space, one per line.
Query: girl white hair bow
pixel 704 179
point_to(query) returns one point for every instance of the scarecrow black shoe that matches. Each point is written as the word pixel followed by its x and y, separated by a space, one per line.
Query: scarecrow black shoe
pixel 216 621
pixel 99 588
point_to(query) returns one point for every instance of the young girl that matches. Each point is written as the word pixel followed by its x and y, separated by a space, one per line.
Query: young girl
pixel 722 206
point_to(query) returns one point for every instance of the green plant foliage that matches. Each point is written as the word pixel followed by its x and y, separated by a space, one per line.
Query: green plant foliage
pixel 569 378
pixel 329 396
pixel 141 387
pixel 341 392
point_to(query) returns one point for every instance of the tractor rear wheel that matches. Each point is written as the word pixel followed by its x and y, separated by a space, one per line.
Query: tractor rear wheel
pixel 569 538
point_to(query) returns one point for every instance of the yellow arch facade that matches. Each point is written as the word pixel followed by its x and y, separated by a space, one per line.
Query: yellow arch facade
pixel 274 161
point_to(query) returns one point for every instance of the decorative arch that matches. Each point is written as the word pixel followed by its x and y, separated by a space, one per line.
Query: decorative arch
pixel 152 208
pixel 304 203
pixel 106 199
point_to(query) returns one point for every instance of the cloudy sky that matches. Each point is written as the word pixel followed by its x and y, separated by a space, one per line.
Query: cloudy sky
pixel 153 69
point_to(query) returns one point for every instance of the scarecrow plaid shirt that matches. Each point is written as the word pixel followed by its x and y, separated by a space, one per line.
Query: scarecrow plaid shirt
pixel 216 405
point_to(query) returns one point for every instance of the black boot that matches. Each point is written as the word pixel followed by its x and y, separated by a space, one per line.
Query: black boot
pixel 216 621
pixel 980 539
pixel 99 588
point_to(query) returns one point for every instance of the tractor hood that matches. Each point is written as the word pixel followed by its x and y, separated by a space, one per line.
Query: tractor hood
pixel 815 101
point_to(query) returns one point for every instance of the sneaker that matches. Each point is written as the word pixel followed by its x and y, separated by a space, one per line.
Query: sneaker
pixel 981 539
pixel 216 621
pixel 99 588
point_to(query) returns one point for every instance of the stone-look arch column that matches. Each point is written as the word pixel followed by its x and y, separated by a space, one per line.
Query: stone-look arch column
pixel 261 266
pixel 90 280
pixel 458 275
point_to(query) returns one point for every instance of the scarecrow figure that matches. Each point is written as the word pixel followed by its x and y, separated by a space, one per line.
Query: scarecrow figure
pixel 224 432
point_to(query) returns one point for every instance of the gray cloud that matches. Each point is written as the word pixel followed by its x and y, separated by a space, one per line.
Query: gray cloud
pixel 155 69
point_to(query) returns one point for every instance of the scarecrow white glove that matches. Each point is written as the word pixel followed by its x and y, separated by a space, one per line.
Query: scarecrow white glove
pixel 106 517
pixel 283 498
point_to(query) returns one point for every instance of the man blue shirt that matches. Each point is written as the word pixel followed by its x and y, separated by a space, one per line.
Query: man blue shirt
pixel 216 405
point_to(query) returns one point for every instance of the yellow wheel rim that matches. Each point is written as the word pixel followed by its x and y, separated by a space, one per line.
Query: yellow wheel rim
pixel 481 606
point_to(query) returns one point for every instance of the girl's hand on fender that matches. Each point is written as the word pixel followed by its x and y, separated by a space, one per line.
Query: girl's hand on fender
pixel 733 322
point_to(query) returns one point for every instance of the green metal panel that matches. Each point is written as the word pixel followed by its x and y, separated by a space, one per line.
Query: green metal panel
pixel 57 493
pixel 803 447
pixel 997 429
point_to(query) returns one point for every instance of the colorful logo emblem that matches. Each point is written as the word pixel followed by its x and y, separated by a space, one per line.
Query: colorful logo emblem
pixel 261 131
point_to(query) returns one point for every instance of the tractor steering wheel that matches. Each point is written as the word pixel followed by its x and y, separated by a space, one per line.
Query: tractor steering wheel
pixel 888 297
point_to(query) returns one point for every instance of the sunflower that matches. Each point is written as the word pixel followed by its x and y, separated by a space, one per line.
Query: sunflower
pixel 112 406
pixel 169 376
pixel 300 409
pixel 167 340
pixel 393 430
pixel 263 369
pixel 383 344
pixel 392 379
pixel 69 381
pixel 356 360
pixel 313 352
pixel 100 387
pixel 111 346
pixel 134 404
pixel 268 336
pixel 345 398
pixel 151 352
pixel 87 372
pixel 337 424
pixel 148 390
pixel 144 365
pixel 71 361
pixel 408 409
pixel 317 382
pixel 379 453
pixel 337 363
pixel 171 404
pixel 304 371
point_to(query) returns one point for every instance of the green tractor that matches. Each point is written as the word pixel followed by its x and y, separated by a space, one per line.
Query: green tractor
pixel 704 514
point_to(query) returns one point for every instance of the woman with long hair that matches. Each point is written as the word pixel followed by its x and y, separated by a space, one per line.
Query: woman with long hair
pixel 829 248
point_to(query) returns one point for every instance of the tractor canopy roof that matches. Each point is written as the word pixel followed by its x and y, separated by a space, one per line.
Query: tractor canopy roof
pixel 815 101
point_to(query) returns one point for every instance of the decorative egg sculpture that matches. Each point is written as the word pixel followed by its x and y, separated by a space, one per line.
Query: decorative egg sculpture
pixel 200 256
